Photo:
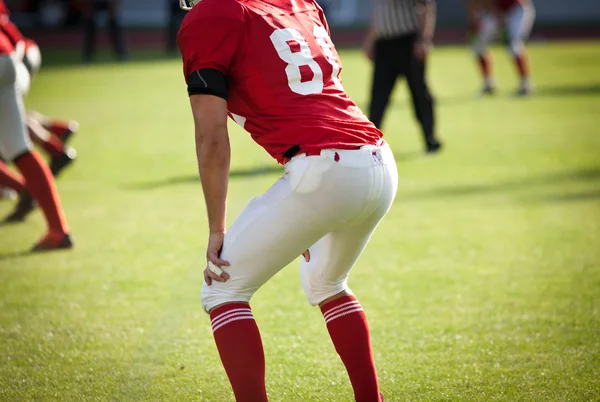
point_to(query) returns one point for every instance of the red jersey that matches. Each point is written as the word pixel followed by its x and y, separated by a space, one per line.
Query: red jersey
pixel 505 5
pixel 8 27
pixel 3 8
pixel 283 73
pixel 6 46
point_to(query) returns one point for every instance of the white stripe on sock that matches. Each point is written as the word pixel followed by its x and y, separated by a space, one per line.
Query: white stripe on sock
pixel 226 314
pixel 354 306
pixel 354 310
pixel 236 318
pixel 340 307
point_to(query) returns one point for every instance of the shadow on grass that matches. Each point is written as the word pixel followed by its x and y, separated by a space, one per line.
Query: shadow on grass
pixel 589 174
pixel 194 179
pixel 408 156
pixel 593 88
pixel 16 254
pixel 593 194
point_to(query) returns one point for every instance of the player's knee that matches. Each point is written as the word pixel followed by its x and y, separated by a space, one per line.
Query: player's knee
pixel 478 48
pixel 316 288
pixel 23 80
pixel 515 46
pixel 221 293
pixel 32 58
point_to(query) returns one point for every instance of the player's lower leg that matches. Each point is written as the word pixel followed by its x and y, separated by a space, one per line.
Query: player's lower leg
pixel 349 330
pixel 60 156
pixel 522 65
pixel 63 129
pixel 485 65
pixel 516 47
pixel 240 347
pixel 11 179
pixel 16 182
pixel 40 183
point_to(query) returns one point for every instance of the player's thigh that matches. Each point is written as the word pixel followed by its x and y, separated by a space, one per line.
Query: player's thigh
pixel 13 138
pixel 331 260
pixel 333 256
pixel 520 21
pixel 488 28
pixel 272 231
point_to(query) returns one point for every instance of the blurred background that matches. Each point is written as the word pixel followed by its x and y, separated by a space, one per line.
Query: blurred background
pixel 151 23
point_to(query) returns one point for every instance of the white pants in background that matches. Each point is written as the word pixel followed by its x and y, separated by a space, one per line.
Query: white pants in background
pixel 329 203
pixel 14 79
pixel 518 21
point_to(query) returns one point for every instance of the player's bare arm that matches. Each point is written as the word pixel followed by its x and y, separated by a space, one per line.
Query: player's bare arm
pixel 213 154
pixel 427 14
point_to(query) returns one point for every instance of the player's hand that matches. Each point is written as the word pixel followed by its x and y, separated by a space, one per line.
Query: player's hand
pixel 306 255
pixel 369 47
pixel 422 48
pixel 214 269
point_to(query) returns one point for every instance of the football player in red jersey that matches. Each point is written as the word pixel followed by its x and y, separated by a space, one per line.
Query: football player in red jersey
pixel 49 134
pixel 271 66
pixel 16 147
pixel 518 17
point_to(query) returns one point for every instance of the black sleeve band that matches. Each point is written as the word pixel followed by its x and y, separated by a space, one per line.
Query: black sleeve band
pixel 208 81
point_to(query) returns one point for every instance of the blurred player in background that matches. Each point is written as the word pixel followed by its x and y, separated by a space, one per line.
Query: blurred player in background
pixel 50 134
pixel 517 18
pixel 91 10
pixel 16 147
pixel 272 67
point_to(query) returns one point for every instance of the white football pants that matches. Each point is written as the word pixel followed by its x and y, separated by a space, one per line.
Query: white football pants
pixel 14 77
pixel 329 204
pixel 518 21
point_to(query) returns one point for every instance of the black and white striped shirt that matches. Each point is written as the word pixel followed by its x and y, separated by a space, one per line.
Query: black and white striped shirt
pixel 392 18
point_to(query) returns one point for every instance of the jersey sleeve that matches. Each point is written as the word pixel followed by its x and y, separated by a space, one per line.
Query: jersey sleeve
pixel 3 9
pixel 209 37
pixel 6 47
pixel 10 30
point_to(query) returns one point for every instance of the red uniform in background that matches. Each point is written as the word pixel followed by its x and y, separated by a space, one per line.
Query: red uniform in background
pixel 517 18
pixel 505 5
pixel 50 134
pixel 283 72
pixel 7 26
pixel 6 45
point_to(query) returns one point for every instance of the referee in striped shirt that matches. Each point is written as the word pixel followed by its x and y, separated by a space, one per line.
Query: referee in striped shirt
pixel 399 39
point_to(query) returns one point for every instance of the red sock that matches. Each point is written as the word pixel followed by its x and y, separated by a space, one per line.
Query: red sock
pixel 10 179
pixel 240 347
pixel 60 128
pixel 53 145
pixel 40 183
pixel 485 65
pixel 522 65
pixel 349 331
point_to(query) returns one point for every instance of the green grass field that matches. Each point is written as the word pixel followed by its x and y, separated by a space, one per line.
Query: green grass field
pixel 482 284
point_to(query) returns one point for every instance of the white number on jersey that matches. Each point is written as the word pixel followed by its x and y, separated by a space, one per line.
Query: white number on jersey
pixel 280 39
pixel 322 39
